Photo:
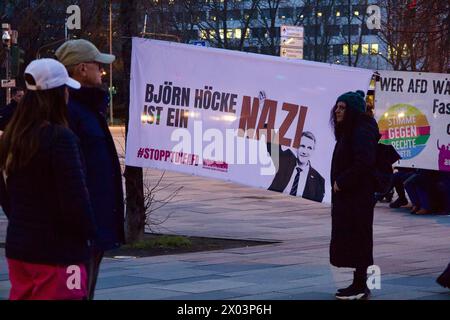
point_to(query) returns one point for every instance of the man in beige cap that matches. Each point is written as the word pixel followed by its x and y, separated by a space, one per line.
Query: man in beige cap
pixel 81 58
pixel 87 118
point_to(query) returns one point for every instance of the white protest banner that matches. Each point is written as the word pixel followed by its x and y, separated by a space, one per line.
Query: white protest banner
pixel 413 112
pixel 200 111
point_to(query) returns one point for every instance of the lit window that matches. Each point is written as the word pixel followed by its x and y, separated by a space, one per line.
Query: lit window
pixel 221 33
pixel 396 50
pixel 391 51
pixel 212 34
pixel 213 18
pixel 375 49
pixel 230 33
pixel 237 33
pixel 247 33
pixel 301 16
pixel 356 13
pixel 355 49
pixel 283 17
pixel 365 48
pixel 345 49
pixel 319 14
pixel 338 13
pixel 203 34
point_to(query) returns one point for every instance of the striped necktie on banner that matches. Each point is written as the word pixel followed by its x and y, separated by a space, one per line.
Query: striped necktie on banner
pixel 295 184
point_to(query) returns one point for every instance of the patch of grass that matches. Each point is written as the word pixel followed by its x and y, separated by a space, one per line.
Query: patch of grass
pixel 165 242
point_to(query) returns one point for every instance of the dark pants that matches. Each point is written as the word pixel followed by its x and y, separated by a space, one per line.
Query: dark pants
pixel 93 267
pixel 443 192
pixel 399 180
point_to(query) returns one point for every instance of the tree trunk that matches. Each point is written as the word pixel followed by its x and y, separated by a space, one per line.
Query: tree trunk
pixel 135 209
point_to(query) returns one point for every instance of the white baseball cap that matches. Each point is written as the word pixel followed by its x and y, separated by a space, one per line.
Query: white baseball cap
pixel 49 74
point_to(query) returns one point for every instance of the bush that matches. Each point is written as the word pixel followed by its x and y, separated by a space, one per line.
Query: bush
pixel 162 242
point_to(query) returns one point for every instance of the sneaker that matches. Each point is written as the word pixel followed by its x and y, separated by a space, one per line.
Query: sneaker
pixel 444 278
pixel 343 289
pixel 398 203
pixel 353 293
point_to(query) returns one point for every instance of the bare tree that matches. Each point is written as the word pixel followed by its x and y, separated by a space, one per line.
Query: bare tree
pixel 153 202
pixel 416 34
pixel 135 206
pixel 226 23
pixel 269 37
pixel 249 16
pixel 320 27
pixel 355 40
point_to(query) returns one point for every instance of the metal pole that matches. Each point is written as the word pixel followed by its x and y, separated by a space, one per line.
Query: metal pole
pixel 145 25
pixel 350 16
pixel 8 73
pixel 65 30
pixel 110 66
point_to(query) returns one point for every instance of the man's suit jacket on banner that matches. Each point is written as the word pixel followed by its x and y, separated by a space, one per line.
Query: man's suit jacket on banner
pixel 315 183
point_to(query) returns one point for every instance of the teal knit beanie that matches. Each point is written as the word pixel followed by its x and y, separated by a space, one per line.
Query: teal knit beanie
pixel 354 100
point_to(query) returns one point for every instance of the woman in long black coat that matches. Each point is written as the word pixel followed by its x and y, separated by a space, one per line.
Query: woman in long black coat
pixel 353 186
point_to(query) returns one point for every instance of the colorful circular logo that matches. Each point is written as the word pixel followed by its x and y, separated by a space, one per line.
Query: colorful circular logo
pixel 406 128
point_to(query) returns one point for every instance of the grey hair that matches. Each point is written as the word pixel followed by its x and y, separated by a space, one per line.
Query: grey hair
pixel 309 135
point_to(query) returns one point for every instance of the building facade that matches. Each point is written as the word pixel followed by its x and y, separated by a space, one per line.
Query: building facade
pixel 335 31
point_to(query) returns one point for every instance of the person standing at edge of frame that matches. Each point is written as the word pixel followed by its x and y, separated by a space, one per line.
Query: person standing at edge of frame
pixel 7 112
pixel 353 184
pixel 87 118
pixel 43 192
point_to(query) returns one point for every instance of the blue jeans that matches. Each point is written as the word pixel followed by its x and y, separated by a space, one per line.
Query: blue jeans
pixel 417 188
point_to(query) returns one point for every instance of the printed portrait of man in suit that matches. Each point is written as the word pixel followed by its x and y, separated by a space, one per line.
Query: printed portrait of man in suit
pixel 295 174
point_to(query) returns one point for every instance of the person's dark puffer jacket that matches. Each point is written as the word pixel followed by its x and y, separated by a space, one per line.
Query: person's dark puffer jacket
pixel 47 204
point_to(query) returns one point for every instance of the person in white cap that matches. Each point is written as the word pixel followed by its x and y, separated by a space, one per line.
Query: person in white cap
pixel 43 192
pixel 87 119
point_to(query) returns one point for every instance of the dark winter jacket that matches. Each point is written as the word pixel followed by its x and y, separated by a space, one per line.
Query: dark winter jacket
pixel 353 166
pixel 47 204
pixel 87 110
pixel 6 114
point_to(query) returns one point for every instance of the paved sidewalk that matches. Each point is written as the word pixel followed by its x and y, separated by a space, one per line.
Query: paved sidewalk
pixel 411 251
